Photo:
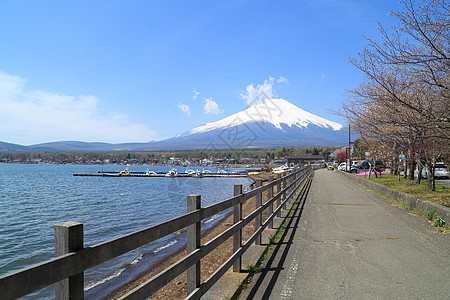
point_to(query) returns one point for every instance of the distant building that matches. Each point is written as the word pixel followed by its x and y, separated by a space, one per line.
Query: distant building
pixel 301 160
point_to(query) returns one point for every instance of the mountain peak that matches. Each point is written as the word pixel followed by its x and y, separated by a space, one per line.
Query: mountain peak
pixel 278 112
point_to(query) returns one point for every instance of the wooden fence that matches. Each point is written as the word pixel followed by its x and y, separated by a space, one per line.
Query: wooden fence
pixel 72 258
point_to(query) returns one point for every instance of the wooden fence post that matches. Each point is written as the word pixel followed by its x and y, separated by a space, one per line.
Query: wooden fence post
pixel 237 237
pixel 278 191
pixel 69 238
pixel 258 219
pixel 269 197
pixel 193 243
pixel 284 189
pixel 288 182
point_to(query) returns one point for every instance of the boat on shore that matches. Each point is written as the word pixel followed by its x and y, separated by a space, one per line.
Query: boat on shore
pixel 281 169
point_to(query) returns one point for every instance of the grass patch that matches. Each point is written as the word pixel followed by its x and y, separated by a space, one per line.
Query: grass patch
pixel 440 196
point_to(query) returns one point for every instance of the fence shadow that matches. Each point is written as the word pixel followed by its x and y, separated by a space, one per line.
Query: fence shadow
pixel 274 267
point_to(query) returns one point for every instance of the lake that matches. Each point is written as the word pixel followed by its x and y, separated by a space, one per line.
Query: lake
pixel 33 198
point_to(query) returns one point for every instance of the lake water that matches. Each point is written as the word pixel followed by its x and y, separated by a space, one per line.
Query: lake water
pixel 33 198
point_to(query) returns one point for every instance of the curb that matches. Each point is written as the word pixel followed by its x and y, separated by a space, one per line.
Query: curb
pixel 411 202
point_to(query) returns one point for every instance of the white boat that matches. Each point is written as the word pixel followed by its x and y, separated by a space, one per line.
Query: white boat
pixel 150 173
pixel 172 173
pixel 280 169
pixel 198 175
pixel 190 172
pixel 110 174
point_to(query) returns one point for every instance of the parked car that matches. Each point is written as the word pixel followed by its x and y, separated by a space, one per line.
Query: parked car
pixel 440 171
pixel 365 166
pixel 342 167
pixel 355 162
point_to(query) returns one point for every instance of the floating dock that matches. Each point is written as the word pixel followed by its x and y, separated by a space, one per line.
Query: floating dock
pixel 158 174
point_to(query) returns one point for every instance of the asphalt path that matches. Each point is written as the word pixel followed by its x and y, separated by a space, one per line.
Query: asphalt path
pixel 346 242
pixel 444 182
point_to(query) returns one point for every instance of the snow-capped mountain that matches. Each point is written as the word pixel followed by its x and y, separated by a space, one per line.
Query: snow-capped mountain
pixel 273 122
pixel 273 111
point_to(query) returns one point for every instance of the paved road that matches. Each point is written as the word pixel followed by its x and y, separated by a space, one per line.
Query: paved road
pixel 346 242
pixel 445 182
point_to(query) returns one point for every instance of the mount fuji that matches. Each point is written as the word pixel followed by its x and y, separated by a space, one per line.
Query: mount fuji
pixel 273 122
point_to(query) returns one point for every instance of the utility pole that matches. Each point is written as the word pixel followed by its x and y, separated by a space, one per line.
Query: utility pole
pixel 349 162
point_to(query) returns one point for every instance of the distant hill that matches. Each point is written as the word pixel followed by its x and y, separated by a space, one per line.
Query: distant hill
pixel 13 147
pixel 73 146
pixel 89 146
pixel 272 123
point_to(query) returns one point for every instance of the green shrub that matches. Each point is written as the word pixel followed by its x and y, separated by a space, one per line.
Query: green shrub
pixel 439 222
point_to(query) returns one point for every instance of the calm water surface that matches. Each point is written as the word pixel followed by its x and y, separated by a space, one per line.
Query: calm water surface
pixel 33 198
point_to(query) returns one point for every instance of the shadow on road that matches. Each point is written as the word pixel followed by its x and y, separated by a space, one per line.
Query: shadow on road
pixel 275 264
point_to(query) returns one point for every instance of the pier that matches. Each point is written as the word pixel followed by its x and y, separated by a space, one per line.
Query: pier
pixel 158 174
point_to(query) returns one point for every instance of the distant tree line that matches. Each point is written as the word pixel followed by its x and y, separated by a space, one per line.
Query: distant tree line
pixel 159 156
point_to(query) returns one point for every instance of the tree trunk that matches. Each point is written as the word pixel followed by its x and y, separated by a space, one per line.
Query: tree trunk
pixel 392 170
pixel 412 167
pixel 405 169
pixel 430 177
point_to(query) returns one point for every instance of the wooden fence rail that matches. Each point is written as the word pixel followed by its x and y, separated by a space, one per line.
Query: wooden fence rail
pixel 73 259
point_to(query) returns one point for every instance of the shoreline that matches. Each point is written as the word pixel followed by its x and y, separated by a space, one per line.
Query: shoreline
pixel 163 262
pixel 176 289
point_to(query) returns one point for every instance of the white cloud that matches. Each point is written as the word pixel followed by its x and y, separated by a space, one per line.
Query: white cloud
pixel 211 107
pixel 34 116
pixel 255 95
pixel 186 109
pixel 196 93
pixel 281 79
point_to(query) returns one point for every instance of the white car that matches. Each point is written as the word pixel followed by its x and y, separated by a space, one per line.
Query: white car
pixel 342 167
pixel 440 171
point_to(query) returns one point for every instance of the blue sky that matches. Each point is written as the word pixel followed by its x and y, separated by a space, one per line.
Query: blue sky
pixel 135 71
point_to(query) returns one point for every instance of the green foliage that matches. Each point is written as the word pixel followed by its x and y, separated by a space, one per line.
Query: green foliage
pixel 253 269
pixel 430 215
pixel 326 153
pixel 439 222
